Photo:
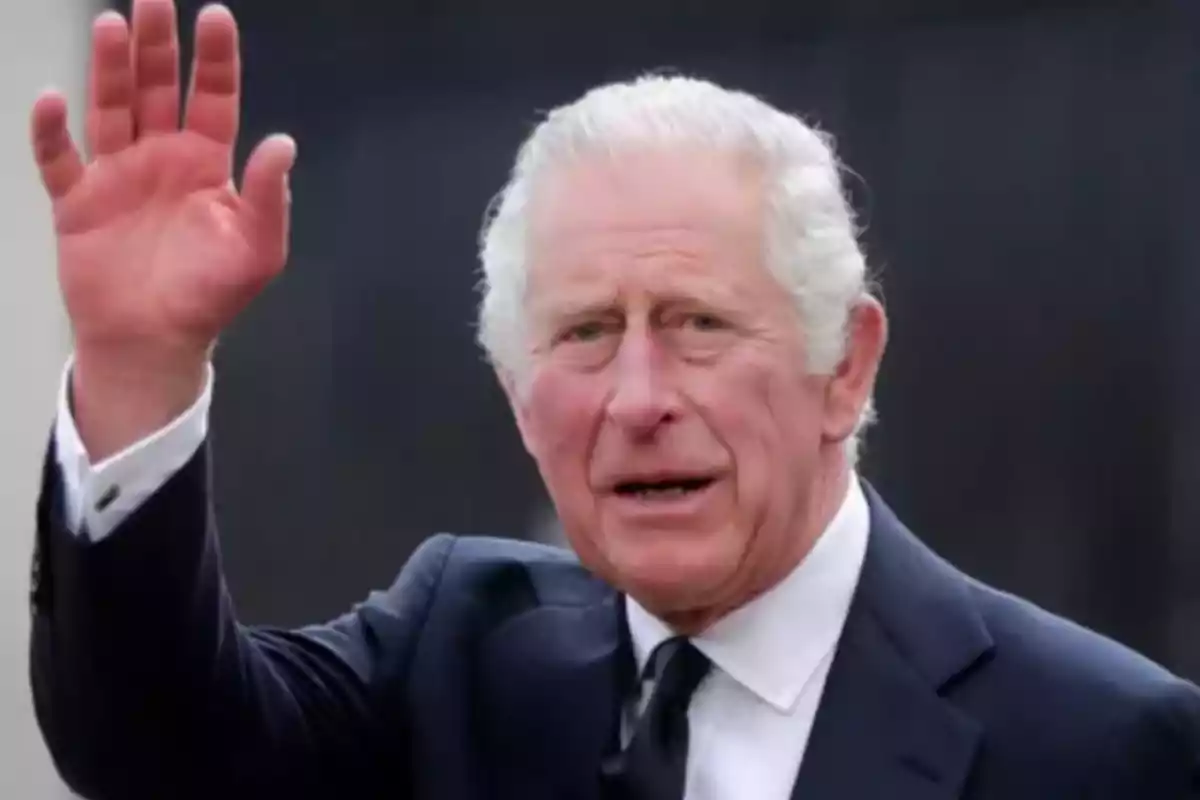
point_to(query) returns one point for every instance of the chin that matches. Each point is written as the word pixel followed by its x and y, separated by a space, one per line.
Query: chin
pixel 672 577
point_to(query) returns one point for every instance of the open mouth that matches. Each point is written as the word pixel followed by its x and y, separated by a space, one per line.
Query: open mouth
pixel 666 489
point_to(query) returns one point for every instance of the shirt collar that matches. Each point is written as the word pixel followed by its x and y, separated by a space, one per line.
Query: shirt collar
pixel 774 644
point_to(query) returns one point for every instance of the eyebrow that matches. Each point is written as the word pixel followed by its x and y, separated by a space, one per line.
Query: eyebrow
pixel 575 306
pixel 587 300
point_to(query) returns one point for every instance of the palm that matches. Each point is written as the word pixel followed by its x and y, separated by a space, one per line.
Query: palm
pixel 164 215
pixel 154 241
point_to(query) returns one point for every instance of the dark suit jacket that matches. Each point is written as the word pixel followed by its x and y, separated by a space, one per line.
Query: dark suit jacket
pixel 493 669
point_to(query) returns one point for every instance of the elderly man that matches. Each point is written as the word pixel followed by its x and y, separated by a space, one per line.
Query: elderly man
pixel 676 306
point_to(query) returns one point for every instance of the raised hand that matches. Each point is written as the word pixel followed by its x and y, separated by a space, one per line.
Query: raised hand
pixel 157 250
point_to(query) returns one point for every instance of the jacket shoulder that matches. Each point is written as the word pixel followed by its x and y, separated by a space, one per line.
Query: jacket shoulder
pixel 1044 646
pixel 1054 691
pixel 519 572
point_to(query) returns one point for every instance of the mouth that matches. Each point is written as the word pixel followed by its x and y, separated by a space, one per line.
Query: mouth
pixel 664 489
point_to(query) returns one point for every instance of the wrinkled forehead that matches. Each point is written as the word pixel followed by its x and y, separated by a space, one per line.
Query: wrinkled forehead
pixel 688 211
pixel 647 188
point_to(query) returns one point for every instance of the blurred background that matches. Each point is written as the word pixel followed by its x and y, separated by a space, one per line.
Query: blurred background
pixel 1027 172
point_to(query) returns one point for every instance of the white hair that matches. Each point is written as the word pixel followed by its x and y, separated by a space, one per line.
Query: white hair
pixel 812 246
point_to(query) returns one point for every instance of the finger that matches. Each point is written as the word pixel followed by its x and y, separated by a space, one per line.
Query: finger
pixel 266 199
pixel 110 107
pixel 58 159
pixel 156 66
pixel 214 97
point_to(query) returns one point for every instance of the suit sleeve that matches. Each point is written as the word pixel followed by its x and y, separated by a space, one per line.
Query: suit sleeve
pixel 1156 754
pixel 146 686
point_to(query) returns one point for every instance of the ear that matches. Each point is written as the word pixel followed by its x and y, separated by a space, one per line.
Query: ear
pixel 516 402
pixel 850 387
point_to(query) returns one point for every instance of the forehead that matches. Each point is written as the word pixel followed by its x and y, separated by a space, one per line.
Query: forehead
pixel 647 216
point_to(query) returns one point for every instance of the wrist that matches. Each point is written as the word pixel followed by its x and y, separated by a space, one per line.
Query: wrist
pixel 119 399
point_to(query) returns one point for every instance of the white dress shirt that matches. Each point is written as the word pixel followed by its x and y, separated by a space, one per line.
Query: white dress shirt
pixel 750 718
pixel 99 497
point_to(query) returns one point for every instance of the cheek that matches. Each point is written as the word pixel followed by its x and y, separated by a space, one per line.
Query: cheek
pixel 561 416
pixel 736 404
pixel 796 406
pixel 767 417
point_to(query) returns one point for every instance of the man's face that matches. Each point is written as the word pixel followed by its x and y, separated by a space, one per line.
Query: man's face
pixel 667 404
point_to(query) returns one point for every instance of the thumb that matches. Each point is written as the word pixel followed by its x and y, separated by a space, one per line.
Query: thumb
pixel 266 199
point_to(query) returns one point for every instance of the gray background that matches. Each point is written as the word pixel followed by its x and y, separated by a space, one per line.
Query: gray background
pixel 41 43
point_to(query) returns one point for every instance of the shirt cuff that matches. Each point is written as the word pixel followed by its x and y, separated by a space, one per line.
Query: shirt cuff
pixel 99 497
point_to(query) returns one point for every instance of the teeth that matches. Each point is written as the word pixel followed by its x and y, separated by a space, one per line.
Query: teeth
pixel 674 491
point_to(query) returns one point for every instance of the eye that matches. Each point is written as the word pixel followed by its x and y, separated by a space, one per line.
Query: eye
pixel 703 322
pixel 700 334
pixel 588 331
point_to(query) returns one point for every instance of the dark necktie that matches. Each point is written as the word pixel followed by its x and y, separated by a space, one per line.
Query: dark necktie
pixel 654 765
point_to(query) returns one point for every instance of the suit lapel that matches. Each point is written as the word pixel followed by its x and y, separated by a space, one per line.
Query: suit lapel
pixel 881 732
pixel 884 728
pixel 550 688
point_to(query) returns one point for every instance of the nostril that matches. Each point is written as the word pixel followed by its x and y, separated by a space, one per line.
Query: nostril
pixel 642 421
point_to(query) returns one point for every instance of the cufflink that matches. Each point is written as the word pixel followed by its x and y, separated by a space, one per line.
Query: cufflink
pixel 106 499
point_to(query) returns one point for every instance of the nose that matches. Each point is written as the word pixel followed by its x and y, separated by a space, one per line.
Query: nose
pixel 643 397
